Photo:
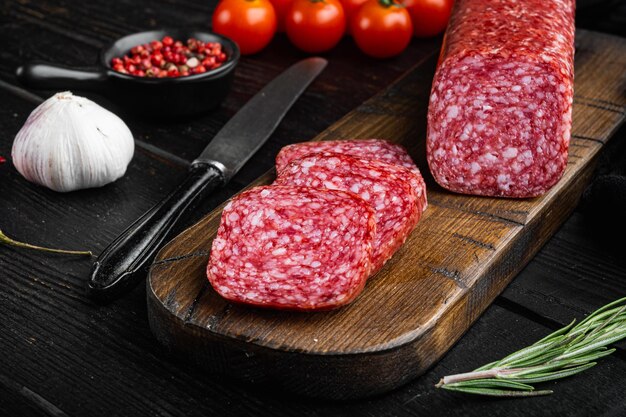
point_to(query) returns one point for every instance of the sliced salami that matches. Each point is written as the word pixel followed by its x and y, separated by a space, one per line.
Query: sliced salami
pixel 413 177
pixel 393 198
pixel 499 118
pixel 276 247
pixel 373 149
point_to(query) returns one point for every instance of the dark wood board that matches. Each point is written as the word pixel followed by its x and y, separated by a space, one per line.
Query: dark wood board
pixel 460 257
pixel 96 361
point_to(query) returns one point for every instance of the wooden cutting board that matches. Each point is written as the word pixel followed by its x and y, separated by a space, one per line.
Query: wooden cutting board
pixel 462 254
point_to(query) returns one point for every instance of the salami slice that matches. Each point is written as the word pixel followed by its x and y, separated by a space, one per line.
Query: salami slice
pixel 374 149
pixel 378 149
pixel 276 247
pixel 500 110
pixel 394 200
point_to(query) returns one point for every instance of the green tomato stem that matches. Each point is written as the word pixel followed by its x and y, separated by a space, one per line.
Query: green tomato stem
pixel 8 241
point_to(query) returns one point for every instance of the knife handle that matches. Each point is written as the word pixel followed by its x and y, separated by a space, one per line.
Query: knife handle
pixel 124 263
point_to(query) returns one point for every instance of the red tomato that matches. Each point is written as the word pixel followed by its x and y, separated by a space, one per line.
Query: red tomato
pixel 382 28
pixel 315 25
pixel 350 7
pixel 430 17
pixel 281 7
pixel 250 23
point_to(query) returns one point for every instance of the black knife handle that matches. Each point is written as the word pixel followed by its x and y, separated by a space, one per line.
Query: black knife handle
pixel 45 76
pixel 124 263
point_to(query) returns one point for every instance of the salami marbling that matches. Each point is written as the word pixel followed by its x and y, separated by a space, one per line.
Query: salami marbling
pixel 395 201
pixel 499 117
pixel 374 149
pixel 276 247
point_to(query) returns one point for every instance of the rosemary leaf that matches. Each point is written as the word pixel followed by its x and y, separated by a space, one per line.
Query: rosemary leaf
pixel 493 383
pixel 526 352
pixel 601 342
pixel 549 376
pixel 560 332
pixel 602 310
pixel 592 357
pixel 497 392
pixel 536 359
pixel 547 367
pixel 563 353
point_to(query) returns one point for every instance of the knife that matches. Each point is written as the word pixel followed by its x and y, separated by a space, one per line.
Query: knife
pixel 122 265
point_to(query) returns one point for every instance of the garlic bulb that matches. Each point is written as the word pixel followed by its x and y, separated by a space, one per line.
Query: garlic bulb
pixel 69 143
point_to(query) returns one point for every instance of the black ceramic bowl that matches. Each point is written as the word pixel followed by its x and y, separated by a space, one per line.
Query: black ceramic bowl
pixel 179 96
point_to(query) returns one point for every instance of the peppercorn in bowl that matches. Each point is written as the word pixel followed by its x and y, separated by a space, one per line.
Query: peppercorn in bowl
pixel 160 73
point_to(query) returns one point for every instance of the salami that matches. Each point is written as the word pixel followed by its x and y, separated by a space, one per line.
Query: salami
pixel 378 149
pixel 276 247
pixel 395 201
pixel 373 149
pixel 500 109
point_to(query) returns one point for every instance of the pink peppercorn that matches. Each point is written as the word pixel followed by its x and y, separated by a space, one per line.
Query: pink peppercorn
pixel 170 58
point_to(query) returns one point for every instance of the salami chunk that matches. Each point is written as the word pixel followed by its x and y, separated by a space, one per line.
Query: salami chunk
pixel 373 149
pixel 393 198
pixel 377 149
pixel 276 247
pixel 500 109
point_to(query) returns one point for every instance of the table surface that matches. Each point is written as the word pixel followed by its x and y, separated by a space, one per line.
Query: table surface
pixel 60 354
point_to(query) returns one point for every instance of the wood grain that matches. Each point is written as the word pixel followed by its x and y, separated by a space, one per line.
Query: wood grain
pixel 97 361
pixel 460 257
pixel 557 297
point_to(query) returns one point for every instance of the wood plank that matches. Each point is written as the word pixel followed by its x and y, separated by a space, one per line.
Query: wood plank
pixel 460 257
pixel 20 401
pixel 577 272
pixel 121 370
pixel 86 219
pixel 607 16
pixel 583 265
pixel 148 179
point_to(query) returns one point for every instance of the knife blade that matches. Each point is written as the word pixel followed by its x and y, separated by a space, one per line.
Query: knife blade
pixel 123 264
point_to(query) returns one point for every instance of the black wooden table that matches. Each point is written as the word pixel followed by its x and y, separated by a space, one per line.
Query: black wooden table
pixel 60 354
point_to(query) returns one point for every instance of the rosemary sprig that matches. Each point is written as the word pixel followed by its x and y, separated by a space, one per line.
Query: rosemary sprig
pixel 568 351
pixel 8 241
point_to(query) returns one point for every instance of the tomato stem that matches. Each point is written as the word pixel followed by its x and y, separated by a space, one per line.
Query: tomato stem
pixel 389 3
pixel 8 241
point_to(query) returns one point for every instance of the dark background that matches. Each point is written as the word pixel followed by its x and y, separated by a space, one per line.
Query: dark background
pixel 62 355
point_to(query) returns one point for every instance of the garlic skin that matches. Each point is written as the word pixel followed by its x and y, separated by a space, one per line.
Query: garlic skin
pixel 70 143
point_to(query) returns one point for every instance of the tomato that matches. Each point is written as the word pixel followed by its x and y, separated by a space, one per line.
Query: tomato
pixel 281 7
pixel 350 7
pixel 382 28
pixel 315 25
pixel 250 23
pixel 430 17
